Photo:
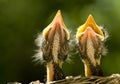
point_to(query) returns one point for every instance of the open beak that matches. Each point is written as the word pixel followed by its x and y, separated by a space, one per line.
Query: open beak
pixel 57 25
pixel 90 26
pixel 90 39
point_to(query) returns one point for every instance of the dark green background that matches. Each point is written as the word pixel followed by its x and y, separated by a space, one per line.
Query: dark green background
pixel 22 20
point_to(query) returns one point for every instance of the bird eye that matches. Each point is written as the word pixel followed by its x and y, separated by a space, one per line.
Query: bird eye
pixel 103 31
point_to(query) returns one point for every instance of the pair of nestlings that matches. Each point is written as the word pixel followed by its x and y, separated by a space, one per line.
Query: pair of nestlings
pixel 55 47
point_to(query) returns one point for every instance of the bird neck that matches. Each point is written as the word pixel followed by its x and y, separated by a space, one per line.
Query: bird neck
pixel 50 71
pixel 54 72
pixel 93 57
pixel 91 70
pixel 90 51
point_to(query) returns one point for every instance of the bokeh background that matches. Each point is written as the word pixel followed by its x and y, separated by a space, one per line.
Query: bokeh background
pixel 22 20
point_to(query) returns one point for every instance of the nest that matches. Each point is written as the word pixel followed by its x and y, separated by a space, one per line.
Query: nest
pixel 112 79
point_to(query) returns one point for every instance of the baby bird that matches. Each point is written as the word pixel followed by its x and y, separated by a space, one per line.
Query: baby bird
pixel 55 47
pixel 90 44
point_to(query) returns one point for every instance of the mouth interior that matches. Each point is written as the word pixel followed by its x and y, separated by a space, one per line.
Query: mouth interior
pixel 95 28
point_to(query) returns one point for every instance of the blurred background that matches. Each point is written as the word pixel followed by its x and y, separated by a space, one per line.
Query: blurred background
pixel 22 20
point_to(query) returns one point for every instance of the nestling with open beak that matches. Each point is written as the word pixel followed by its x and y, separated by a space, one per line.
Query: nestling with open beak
pixel 55 47
pixel 90 44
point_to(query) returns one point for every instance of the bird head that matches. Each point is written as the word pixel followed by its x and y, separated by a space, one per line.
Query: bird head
pixel 90 38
